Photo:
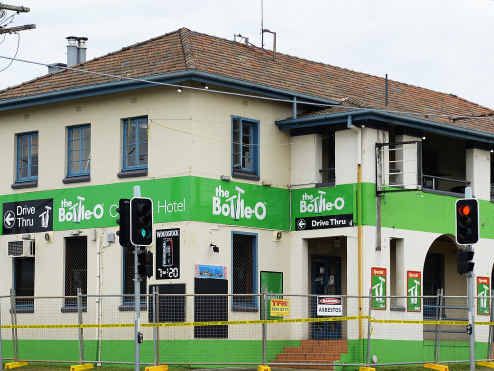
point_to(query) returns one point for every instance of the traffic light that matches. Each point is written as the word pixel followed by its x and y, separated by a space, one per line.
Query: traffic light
pixel 467 221
pixel 145 267
pixel 464 261
pixel 141 221
pixel 124 222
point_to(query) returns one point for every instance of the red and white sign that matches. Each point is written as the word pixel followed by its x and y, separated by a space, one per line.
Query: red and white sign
pixel 329 306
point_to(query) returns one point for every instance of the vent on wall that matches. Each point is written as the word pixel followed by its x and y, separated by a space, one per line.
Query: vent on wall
pixel 22 248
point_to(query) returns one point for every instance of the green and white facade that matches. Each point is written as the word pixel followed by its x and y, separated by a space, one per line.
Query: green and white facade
pixel 296 216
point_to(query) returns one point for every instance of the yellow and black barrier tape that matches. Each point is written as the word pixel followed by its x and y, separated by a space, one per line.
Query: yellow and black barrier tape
pixel 247 322
pixel 186 324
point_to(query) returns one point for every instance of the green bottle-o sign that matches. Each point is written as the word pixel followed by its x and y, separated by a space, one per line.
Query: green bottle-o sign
pixel 414 291
pixel 483 296
pixel 378 288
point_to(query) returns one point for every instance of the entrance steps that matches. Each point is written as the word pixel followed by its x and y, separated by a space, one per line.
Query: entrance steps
pixel 312 351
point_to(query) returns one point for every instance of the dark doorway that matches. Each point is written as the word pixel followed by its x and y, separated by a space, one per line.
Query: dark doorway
pixel 24 283
pixel 325 279
pixel 433 282
pixel 75 269
pixel 210 307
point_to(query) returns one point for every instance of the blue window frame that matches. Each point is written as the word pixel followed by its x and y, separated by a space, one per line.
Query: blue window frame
pixel 78 150
pixel 245 147
pixel 27 157
pixel 244 272
pixel 135 143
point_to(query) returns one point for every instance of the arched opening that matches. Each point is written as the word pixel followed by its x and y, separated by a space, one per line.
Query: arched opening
pixel 445 289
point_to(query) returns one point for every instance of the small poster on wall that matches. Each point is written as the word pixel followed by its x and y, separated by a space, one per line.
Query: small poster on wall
pixel 483 296
pixel 414 291
pixel 168 254
pixel 378 288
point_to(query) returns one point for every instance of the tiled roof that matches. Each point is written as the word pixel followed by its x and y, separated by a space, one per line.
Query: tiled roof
pixel 184 50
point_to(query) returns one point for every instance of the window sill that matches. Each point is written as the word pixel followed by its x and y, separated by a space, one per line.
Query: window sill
pixel 76 179
pixel 22 185
pixel 248 176
pixel 397 308
pixel 132 173
pixel 71 309
pixel 130 307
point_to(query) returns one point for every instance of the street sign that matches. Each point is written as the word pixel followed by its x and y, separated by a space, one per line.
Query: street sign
pixel 27 216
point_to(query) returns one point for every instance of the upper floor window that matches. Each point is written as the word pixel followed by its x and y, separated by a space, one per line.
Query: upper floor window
pixel 27 157
pixel 245 148
pixel 135 144
pixel 78 150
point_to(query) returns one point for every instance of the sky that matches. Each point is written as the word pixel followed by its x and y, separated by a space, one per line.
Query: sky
pixel 444 45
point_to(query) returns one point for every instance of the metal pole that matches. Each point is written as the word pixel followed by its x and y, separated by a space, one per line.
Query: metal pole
pixel 439 314
pixel 13 321
pixel 137 310
pixel 264 327
pixel 1 342
pixel 156 333
pixel 79 321
pixel 471 316
pixel 491 332
pixel 369 313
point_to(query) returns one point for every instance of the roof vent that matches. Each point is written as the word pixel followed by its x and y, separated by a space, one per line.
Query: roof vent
pixel 241 39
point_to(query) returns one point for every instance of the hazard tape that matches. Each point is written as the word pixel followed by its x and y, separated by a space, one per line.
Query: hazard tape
pixel 188 324
pixel 248 322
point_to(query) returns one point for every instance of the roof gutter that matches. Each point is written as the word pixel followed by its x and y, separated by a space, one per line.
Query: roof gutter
pixel 359 115
pixel 113 87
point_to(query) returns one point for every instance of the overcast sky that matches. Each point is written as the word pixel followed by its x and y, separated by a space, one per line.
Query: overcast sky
pixel 445 45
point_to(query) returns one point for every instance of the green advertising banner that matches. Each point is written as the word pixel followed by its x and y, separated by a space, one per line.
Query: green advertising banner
pixel 174 199
pixel 414 291
pixel 378 288
pixel 337 200
pixel 483 296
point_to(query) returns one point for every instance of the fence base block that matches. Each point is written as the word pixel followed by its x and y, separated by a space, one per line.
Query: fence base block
pixel 367 369
pixel 485 364
pixel 12 365
pixel 157 368
pixel 263 368
pixel 86 366
pixel 436 366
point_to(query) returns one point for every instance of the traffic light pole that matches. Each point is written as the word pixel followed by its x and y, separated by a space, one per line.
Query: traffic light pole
pixel 137 309
pixel 471 314
pixel 137 299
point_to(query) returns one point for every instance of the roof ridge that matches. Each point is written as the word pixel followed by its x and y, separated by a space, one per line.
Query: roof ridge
pixel 264 51
pixel 187 48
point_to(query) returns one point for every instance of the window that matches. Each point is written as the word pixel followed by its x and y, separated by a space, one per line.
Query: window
pixel 78 150
pixel 23 269
pixel 135 144
pixel 244 271
pixel 245 148
pixel 27 157
pixel 396 271
pixel 75 270
pixel 328 159
pixel 128 281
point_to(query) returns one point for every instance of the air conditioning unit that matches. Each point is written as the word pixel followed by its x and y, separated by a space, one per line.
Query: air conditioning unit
pixel 21 249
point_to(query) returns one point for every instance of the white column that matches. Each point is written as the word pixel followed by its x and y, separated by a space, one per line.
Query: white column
pixel 478 172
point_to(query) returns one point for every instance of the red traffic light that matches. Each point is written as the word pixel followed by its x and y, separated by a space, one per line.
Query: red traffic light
pixel 465 210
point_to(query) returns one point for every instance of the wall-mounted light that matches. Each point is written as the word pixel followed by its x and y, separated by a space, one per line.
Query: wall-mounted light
pixel 76 233
pixel 424 138
pixel 214 248
pixel 225 178
pixel 179 90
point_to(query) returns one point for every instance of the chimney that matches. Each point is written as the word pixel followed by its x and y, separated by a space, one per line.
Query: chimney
pixel 76 50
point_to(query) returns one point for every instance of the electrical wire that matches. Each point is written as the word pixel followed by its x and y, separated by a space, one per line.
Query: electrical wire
pixel 15 54
pixel 489 115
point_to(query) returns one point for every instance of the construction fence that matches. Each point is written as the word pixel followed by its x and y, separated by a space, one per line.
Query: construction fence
pixel 325 331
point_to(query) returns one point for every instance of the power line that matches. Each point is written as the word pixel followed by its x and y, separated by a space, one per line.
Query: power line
pixel 7 20
pixel 15 54
pixel 179 88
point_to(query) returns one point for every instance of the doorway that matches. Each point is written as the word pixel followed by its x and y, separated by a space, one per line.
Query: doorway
pixel 327 264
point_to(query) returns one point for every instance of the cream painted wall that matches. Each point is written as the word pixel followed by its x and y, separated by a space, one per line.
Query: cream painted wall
pixel 189 133
pixel 306 159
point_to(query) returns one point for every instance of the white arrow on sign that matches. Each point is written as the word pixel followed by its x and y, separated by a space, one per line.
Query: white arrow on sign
pixel 9 219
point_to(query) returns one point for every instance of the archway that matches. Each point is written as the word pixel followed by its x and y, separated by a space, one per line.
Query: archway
pixel 440 276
